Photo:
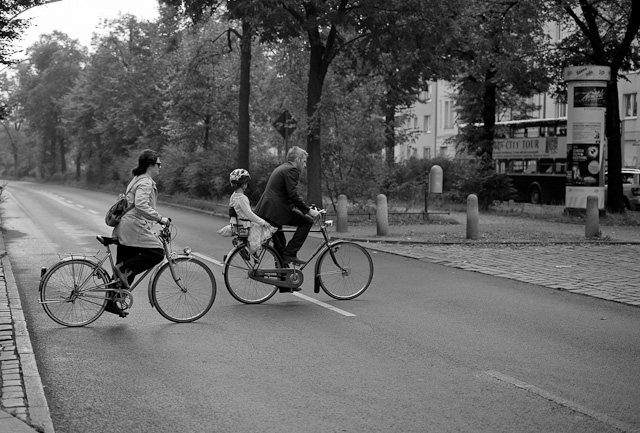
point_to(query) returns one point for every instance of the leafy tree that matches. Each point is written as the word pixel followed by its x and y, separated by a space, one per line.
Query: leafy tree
pixel 117 107
pixel 12 26
pixel 248 15
pixel 55 61
pixel 404 46
pixel 499 47
pixel 601 33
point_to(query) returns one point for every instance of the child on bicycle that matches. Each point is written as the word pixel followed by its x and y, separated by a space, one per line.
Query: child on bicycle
pixel 240 213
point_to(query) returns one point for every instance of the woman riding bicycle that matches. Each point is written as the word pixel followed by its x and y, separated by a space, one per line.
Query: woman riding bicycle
pixel 139 248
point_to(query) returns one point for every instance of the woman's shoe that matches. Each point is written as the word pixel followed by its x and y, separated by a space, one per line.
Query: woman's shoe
pixel 112 308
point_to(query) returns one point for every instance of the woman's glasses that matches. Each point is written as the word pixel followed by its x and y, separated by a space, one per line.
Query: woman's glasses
pixel 159 164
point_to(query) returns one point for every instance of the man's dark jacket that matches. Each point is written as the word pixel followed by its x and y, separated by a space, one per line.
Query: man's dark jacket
pixel 281 196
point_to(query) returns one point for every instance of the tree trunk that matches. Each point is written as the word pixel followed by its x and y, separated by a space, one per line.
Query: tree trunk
pixel 317 73
pixel 390 133
pixel 207 132
pixel 63 154
pixel 244 95
pixel 488 118
pixel 79 165
pixel 615 203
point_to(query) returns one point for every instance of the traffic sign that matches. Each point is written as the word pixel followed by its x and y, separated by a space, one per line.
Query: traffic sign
pixel 285 124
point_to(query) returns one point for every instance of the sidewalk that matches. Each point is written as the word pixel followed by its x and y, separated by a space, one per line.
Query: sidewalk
pixel 23 406
pixel 548 254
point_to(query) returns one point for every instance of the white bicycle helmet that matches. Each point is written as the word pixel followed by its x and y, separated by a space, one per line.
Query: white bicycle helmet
pixel 238 177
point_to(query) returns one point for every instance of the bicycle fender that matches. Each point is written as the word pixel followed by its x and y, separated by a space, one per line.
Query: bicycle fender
pixel 93 261
pixel 316 270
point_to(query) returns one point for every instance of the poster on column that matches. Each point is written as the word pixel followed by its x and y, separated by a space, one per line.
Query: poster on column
pixel 585 134
pixel 586 110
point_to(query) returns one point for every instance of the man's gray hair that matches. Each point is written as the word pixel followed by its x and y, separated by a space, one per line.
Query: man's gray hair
pixel 296 152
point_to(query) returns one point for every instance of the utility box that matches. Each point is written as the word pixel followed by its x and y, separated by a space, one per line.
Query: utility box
pixel 435 180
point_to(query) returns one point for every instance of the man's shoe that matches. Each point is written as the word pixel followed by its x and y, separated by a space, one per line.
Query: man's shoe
pixel 289 290
pixel 294 260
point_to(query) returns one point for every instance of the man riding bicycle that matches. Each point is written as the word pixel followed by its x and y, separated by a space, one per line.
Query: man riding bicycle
pixel 281 204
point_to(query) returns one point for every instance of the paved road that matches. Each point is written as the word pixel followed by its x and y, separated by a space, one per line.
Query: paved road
pixel 604 270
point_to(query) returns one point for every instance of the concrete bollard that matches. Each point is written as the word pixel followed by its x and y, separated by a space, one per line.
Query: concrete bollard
pixel 342 224
pixel 472 217
pixel 592 226
pixel 382 215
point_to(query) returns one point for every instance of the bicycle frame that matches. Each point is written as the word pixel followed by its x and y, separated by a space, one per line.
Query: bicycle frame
pixel 98 263
pixel 296 274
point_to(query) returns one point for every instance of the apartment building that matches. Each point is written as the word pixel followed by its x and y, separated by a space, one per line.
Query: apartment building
pixel 432 121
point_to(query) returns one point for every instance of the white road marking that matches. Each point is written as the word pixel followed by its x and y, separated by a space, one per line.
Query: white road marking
pixel 322 304
pixel 620 425
pixel 299 295
pixel 207 258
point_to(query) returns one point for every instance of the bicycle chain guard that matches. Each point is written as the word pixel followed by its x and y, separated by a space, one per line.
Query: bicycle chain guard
pixel 289 278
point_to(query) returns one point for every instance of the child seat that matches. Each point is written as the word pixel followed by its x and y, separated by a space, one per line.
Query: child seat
pixel 239 226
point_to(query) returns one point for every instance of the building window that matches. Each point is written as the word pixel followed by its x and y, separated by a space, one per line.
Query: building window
pixel 561 109
pixel 428 93
pixel 448 114
pixel 415 123
pixel 630 105
pixel 427 124
pixel 443 150
pixel 426 152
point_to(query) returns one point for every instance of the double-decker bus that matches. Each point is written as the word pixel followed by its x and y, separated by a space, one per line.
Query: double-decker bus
pixel 533 153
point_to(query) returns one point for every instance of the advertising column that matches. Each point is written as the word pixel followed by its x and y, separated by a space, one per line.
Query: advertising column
pixel 586 108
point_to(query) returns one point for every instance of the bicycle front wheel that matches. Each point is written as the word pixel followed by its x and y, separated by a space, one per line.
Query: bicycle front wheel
pixel 190 297
pixel 236 274
pixel 344 270
pixel 73 292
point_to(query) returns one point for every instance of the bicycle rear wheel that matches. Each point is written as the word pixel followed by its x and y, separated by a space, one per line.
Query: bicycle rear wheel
pixel 188 301
pixel 236 274
pixel 345 270
pixel 73 292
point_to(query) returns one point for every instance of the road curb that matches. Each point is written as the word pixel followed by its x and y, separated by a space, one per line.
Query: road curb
pixel 36 401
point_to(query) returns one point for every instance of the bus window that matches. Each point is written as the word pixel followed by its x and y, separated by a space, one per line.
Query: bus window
pixel 531 166
pixel 533 132
pixel 546 165
pixel 515 166
pixel 561 165
pixel 519 133
pixel 501 166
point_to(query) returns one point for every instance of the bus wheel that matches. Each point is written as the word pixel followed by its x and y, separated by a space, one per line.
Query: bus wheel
pixel 535 196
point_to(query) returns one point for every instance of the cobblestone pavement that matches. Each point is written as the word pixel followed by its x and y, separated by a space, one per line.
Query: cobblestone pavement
pixel 23 406
pixel 606 271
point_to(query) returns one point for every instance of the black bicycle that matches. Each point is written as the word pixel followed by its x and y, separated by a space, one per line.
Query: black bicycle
pixel 343 270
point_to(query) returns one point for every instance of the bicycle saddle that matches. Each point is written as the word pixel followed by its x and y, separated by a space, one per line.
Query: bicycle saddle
pixel 106 241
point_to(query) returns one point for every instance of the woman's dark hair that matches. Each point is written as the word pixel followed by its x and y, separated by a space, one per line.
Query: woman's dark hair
pixel 147 157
